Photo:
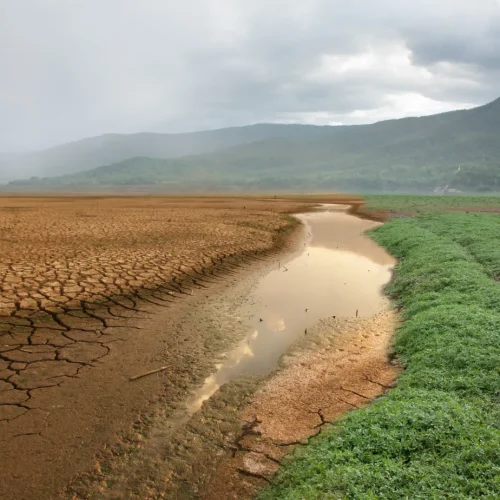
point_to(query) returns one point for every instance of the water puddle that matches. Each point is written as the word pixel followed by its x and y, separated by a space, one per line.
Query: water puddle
pixel 340 272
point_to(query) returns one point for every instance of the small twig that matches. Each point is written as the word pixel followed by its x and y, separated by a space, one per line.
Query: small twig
pixel 163 368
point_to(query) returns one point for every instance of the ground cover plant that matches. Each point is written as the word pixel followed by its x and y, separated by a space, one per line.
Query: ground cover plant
pixel 437 434
pixel 432 203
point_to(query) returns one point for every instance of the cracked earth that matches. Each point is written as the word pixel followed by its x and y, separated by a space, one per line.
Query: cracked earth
pixel 84 286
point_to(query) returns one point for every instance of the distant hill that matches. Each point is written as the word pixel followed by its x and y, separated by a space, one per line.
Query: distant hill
pixel 460 149
pixel 112 148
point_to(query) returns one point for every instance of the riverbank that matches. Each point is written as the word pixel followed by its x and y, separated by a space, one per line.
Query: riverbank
pixel 436 434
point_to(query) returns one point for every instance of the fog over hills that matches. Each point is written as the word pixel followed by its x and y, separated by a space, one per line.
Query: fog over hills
pixel 111 148
pixel 460 149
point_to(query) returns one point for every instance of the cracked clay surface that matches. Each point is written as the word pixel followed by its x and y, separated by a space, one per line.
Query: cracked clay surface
pixel 82 281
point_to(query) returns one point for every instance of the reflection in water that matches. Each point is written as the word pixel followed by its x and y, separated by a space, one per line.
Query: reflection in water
pixel 339 273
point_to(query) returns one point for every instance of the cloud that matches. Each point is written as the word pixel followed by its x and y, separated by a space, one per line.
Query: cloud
pixel 87 67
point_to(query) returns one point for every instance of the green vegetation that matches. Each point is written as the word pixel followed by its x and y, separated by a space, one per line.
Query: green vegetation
pixel 437 434
pixel 431 203
pixel 108 149
pixel 460 150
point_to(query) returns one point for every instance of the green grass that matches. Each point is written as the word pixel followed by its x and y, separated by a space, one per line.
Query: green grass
pixel 430 203
pixel 437 434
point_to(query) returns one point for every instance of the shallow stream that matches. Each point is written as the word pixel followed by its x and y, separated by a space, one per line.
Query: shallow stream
pixel 339 272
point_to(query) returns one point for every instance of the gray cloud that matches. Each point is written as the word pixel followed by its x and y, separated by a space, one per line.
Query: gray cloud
pixel 78 68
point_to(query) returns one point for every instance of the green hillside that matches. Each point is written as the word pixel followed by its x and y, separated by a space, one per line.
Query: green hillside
pixel 460 150
pixel 112 148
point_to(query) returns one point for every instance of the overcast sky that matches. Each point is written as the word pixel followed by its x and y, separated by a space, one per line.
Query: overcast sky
pixel 78 68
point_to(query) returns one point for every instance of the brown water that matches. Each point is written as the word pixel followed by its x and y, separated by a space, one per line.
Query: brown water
pixel 340 272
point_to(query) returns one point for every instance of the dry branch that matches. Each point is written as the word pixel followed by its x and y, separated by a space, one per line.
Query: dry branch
pixel 151 372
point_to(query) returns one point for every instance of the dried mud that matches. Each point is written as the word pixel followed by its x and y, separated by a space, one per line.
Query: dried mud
pixel 89 296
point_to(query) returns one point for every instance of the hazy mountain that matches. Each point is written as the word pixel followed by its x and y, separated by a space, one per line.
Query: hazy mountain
pixel 460 149
pixel 111 148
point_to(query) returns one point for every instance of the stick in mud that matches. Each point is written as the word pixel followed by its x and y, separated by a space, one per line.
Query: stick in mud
pixel 163 368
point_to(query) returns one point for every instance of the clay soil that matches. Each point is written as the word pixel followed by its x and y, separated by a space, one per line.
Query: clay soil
pixel 91 289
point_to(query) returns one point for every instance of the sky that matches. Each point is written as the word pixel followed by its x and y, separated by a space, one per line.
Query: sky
pixel 79 68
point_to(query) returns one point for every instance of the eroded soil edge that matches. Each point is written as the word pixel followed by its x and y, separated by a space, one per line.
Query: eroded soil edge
pixel 342 365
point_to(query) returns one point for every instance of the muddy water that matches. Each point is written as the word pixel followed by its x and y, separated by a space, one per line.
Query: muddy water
pixel 339 272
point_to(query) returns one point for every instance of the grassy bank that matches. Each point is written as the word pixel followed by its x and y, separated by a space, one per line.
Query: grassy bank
pixel 432 203
pixel 437 435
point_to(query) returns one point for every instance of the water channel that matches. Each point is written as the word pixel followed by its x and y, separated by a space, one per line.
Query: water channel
pixel 340 272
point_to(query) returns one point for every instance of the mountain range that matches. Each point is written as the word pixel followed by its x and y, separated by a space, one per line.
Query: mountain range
pixel 459 149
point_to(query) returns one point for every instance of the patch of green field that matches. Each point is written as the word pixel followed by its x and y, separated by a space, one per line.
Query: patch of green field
pixel 437 434
pixel 430 203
